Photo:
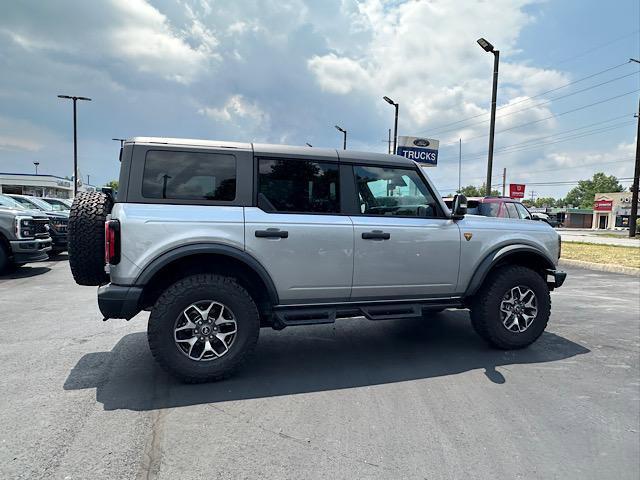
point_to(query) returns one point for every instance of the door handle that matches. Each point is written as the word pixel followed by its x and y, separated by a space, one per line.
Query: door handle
pixel 272 233
pixel 376 235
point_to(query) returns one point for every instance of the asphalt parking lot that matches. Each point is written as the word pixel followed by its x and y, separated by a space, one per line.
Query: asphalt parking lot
pixel 395 399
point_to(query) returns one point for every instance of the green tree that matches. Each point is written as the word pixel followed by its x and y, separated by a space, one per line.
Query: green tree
pixel 582 196
pixel 112 184
pixel 473 191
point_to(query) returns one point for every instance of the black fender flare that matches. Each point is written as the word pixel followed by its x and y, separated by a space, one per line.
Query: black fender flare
pixel 212 248
pixel 499 254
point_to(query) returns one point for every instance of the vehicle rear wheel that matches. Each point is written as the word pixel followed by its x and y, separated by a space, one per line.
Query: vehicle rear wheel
pixel 5 262
pixel 86 237
pixel 512 309
pixel 203 328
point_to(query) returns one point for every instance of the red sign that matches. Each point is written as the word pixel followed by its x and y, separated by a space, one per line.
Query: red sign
pixel 603 205
pixel 516 190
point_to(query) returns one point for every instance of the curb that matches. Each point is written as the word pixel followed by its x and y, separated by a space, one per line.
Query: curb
pixel 600 267
pixel 636 244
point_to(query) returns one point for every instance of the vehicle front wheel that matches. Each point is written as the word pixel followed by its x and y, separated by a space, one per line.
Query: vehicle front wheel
pixel 203 328
pixel 512 309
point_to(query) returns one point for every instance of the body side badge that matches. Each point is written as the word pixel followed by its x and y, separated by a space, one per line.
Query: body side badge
pixel 468 235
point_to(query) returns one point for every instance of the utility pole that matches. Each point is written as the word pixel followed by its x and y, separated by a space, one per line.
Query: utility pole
pixel 633 218
pixel 532 195
pixel 504 181
pixel 88 177
pixel 459 165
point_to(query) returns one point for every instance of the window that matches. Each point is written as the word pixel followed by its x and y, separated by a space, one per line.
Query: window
pixel 491 209
pixel 393 192
pixel 511 208
pixel 523 212
pixel 298 186
pixel 189 176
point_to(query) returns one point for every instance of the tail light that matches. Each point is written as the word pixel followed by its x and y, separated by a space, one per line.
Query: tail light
pixel 112 242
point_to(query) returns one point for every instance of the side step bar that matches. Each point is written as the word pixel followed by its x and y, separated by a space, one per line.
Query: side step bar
pixel 291 315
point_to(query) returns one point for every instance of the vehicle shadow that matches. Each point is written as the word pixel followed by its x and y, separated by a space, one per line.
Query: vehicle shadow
pixel 353 353
pixel 24 272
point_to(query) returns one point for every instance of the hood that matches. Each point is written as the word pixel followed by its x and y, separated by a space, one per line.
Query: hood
pixel 57 214
pixel 22 212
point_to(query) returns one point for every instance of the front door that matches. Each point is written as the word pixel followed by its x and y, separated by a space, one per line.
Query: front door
pixel 603 222
pixel 297 233
pixel 405 247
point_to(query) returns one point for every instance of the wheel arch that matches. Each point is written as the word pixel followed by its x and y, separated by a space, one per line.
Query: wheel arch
pixel 515 254
pixel 191 259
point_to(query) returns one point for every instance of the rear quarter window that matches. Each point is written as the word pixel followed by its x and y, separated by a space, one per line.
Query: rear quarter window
pixel 189 176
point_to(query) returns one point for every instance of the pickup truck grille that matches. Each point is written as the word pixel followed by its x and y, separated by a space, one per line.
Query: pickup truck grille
pixel 41 227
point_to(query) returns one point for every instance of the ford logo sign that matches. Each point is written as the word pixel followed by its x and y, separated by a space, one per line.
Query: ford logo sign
pixel 421 142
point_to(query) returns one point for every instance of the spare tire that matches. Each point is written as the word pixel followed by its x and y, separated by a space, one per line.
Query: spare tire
pixel 86 237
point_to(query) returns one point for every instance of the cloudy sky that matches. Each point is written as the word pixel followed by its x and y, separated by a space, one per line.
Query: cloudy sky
pixel 286 71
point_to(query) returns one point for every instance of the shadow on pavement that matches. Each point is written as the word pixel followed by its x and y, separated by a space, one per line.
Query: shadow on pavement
pixel 24 272
pixel 355 353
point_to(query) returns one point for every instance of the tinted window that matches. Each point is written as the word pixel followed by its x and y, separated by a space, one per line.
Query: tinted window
pixel 393 191
pixel 298 186
pixel 523 212
pixel 189 176
pixel 511 208
pixel 490 209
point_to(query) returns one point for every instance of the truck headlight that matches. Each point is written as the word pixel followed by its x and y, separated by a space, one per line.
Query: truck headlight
pixel 24 227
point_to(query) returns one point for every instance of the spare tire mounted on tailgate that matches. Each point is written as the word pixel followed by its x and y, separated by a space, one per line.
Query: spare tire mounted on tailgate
pixel 86 237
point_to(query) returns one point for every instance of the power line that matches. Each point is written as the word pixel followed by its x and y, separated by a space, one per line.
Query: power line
pixel 532 97
pixel 543 103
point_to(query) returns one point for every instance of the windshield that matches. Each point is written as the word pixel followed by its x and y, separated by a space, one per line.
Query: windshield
pixel 41 204
pixel 57 204
pixel 10 202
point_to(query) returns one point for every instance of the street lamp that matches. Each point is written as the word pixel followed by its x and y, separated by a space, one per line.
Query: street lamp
pixel 36 164
pixel 121 140
pixel 344 132
pixel 75 139
pixel 308 144
pixel 487 47
pixel 395 127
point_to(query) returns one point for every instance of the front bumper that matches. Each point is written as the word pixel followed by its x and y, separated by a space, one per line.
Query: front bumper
pixel 118 301
pixel 555 278
pixel 59 240
pixel 27 251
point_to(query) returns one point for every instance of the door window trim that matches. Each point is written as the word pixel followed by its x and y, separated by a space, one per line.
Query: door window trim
pixel 355 203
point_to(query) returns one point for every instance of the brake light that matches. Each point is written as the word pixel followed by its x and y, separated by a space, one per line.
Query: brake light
pixel 112 242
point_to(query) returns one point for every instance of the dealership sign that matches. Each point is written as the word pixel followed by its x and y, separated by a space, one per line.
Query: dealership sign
pixel 516 190
pixel 421 150
pixel 603 205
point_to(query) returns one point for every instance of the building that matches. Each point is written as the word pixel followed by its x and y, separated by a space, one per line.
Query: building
pixel 611 211
pixel 39 185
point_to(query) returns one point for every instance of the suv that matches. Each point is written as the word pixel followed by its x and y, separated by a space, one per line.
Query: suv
pixel 58 219
pixel 24 235
pixel 218 239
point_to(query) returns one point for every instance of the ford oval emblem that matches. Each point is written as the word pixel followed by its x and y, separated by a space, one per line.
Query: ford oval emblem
pixel 421 142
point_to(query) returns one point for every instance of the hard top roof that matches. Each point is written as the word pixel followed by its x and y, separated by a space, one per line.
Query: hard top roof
pixel 267 149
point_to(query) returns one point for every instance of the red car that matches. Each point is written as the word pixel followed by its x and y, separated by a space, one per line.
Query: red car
pixel 504 207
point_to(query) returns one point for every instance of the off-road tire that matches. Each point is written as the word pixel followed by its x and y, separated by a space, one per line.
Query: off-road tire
pixel 171 304
pixel 86 237
pixel 485 308
pixel 5 261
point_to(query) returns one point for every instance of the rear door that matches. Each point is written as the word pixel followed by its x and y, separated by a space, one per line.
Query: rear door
pixel 405 246
pixel 296 230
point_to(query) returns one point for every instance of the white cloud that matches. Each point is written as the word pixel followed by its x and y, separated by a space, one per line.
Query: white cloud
pixel 338 75
pixel 238 108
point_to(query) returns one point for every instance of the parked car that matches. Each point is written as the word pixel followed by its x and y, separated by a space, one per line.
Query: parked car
pixel 218 239
pixel 501 207
pixel 59 203
pixel 58 220
pixel 24 234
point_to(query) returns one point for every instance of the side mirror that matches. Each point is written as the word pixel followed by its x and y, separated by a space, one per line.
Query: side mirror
pixel 459 209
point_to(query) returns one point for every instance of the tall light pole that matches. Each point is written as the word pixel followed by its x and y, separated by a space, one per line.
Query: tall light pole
pixel 395 125
pixel 344 133
pixel 487 47
pixel 121 140
pixel 308 144
pixel 36 164
pixel 75 139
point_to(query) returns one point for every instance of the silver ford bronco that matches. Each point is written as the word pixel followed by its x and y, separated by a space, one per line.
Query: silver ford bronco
pixel 219 239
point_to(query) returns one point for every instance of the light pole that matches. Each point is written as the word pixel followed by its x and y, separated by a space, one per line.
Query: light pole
pixel 395 125
pixel 308 144
pixel 121 140
pixel 36 164
pixel 344 133
pixel 487 47
pixel 75 139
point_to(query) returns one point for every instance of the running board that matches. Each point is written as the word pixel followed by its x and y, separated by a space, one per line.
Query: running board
pixel 291 315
